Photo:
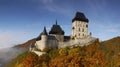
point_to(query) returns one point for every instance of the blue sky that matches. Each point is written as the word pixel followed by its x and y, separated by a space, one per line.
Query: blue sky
pixel 21 20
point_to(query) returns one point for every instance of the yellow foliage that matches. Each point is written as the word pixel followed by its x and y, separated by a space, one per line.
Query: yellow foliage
pixel 63 52
pixel 19 64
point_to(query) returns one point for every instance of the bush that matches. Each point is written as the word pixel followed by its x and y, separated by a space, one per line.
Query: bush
pixel 63 52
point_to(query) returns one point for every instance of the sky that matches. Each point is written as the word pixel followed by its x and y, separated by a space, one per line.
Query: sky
pixel 22 20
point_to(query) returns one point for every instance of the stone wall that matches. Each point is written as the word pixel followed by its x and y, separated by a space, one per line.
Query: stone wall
pixel 78 42
pixel 46 43
pixel 53 44
pixel 79 29
pixel 60 38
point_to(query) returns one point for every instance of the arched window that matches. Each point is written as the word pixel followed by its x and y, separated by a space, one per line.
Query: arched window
pixel 82 30
pixel 79 29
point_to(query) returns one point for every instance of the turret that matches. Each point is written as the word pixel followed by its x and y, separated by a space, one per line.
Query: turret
pixel 44 35
pixel 41 40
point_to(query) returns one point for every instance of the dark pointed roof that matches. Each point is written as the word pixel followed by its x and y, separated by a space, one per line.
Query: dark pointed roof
pixel 56 29
pixel 43 33
pixel 80 17
pixel 56 22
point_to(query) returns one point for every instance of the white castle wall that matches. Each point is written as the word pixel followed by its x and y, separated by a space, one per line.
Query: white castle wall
pixel 77 42
pixel 79 29
pixel 41 44
pixel 46 43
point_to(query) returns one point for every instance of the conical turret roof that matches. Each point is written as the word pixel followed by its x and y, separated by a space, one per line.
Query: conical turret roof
pixel 43 33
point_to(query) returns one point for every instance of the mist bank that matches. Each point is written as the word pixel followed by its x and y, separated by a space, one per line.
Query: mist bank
pixel 7 54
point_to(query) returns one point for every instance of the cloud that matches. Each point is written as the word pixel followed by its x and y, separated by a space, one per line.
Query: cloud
pixel 11 38
pixel 56 6
pixel 5 38
pixel 7 54
pixel 113 30
pixel 46 1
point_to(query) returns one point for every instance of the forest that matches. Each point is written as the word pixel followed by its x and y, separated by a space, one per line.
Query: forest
pixel 97 54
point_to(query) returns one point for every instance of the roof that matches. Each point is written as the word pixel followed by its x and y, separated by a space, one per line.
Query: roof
pixel 39 37
pixel 43 33
pixel 56 29
pixel 80 17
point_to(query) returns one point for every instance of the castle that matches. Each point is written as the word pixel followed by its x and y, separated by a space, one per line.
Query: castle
pixel 56 38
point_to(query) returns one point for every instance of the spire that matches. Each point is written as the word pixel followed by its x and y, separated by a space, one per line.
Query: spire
pixel 44 31
pixel 56 22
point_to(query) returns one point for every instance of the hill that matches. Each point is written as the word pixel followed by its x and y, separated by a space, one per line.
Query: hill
pixel 113 41
pixel 104 54
pixel 26 44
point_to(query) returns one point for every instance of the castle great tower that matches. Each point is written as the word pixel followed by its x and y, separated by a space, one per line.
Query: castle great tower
pixel 79 26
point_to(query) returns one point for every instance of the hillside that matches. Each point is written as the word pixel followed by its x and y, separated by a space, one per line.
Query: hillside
pixel 113 41
pixel 26 44
pixel 104 54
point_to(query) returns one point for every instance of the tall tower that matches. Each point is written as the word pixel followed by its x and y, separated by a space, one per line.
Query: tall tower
pixel 79 26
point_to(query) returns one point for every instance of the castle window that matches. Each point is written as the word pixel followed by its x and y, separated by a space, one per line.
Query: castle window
pixel 73 28
pixel 86 25
pixel 75 35
pixel 82 30
pixel 83 34
pixel 79 34
pixel 79 29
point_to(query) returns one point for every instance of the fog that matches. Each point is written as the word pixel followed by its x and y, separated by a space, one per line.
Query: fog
pixel 7 54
